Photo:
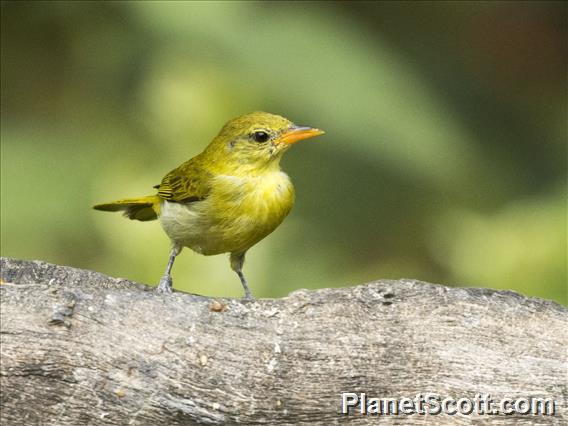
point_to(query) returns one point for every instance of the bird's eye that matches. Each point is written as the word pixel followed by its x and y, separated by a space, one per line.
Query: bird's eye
pixel 260 136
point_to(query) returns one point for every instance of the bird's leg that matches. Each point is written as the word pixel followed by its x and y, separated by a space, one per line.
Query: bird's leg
pixel 237 262
pixel 166 284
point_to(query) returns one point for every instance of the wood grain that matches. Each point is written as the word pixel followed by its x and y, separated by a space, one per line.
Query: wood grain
pixel 78 347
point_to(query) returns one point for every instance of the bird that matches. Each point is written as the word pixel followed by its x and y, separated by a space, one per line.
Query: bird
pixel 227 198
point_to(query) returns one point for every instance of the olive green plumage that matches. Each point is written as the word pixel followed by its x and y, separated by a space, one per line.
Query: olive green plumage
pixel 227 198
pixel 142 208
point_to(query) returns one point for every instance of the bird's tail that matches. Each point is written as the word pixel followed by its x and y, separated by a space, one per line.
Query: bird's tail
pixel 143 208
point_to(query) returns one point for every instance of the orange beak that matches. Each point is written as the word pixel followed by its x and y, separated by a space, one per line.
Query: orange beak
pixel 298 133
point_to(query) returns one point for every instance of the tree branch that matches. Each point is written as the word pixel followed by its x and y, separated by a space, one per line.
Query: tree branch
pixel 79 347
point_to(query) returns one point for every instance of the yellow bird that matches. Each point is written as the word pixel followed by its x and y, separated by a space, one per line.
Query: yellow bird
pixel 229 197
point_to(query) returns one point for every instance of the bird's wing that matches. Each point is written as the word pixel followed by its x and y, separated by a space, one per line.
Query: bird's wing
pixel 186 184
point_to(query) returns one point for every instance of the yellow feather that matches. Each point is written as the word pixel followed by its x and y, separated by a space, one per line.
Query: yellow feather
pixel 142 208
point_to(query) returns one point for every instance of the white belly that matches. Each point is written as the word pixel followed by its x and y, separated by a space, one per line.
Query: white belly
pixel 184 225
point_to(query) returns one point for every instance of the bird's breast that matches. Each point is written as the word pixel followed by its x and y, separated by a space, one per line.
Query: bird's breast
pixel 237 213
pixel 252 204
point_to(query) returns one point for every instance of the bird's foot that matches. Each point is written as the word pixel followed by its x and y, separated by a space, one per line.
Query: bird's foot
pixel 248 297
pixel 166 285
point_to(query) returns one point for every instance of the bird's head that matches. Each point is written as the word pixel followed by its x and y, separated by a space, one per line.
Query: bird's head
pixel 256 141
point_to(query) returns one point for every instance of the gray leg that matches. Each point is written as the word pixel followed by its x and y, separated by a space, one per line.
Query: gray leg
pixel 166 284
pixel 237 262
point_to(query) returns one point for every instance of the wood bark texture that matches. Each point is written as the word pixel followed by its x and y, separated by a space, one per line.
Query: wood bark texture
pixel 82 348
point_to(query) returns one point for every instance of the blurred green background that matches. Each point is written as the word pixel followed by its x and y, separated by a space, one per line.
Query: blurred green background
pixel 444 159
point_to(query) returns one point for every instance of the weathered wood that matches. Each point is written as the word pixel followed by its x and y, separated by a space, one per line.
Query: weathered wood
pixel 79 347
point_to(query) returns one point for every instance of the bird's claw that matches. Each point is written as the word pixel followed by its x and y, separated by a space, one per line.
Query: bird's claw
pixel 248 298
pixel 166 285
